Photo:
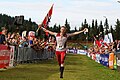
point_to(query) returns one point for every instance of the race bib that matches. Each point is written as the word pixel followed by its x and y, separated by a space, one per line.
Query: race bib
pixel 60 47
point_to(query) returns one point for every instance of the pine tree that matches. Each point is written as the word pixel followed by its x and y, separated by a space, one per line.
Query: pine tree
pixel 76 37
pixel 84 25
pixel 101 30
pixel 96 31
pixel 117 30
pixel 67 25
pixel 55 28
pixel 106 25
pixel 75 28
pixel 93 28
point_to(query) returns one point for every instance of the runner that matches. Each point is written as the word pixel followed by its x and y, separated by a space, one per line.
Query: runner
pixel 61 39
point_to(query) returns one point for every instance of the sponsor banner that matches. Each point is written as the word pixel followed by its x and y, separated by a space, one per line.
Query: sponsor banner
pixel 111 61
pixel 81 52
pixel 70 50
pixel 77 51
pixel 6 56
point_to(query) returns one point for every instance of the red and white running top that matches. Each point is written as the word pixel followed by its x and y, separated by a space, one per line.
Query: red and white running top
pixel 61 42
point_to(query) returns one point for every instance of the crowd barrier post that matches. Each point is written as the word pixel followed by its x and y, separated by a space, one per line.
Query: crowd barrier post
pixel 111 61
pixel 115 62
pixel 118 61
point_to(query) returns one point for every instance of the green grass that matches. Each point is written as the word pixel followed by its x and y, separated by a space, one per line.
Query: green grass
pixel 77 67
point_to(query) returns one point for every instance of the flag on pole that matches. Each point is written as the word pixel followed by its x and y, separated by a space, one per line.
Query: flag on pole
pixel 47 18
pixel 108 38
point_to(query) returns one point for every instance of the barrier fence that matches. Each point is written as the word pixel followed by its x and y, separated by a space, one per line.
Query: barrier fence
pixel 29 54
pixel 110 60
pixel 11 55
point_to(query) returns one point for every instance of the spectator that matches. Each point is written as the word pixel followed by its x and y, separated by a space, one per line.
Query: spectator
pixel 30 41
pixel 23 42
pixel 2 36
pixel 115 46
pixel 118 46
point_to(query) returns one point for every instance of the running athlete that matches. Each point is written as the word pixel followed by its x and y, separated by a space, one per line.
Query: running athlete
pixel 61 39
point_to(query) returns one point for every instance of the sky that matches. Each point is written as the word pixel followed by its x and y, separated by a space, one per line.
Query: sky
pixel 75 11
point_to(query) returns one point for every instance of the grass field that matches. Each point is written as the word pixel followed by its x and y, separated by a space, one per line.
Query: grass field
pixel 78 67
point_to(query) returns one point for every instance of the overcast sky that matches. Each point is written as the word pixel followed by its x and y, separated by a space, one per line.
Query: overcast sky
pixel 74 10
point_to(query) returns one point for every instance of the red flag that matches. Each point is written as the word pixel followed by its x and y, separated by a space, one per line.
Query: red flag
pixel 50 11
pixel 47 18
pixel 44 22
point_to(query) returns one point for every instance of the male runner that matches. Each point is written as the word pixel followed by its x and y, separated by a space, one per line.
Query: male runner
pixel 61 39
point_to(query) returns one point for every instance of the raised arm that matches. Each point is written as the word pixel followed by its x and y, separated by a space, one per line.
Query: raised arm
pixel 45 30
pixel 75 33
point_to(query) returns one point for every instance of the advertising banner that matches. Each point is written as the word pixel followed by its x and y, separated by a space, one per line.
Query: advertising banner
pixel 6 56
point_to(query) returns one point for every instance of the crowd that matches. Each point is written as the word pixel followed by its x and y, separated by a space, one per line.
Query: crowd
pixel 15 39
pixel 101 47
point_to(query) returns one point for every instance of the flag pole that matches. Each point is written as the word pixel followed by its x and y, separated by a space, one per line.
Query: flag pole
pixel 37 29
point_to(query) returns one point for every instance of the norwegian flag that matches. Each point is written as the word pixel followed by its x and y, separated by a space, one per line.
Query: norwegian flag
pixel 47 18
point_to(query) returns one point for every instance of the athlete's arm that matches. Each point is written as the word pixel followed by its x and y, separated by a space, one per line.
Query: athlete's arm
pixel 75 33
pixel 45 30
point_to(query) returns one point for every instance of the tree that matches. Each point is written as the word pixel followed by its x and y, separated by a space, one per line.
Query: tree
pixel 76 37
pixel 93 29
pixel 84 25
pixel 117 30
pixel 112 31
pixel 54 27
pixel 90 33
pixel 106 25
pixel 96 31
pixel 9 23
pixel 67 25
pixel 101 29
pixel 75 28
pixel 59 27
